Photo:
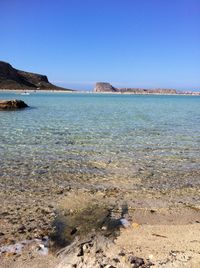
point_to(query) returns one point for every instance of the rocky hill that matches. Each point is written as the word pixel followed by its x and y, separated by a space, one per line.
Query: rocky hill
pixel 11 78
pixel 106 87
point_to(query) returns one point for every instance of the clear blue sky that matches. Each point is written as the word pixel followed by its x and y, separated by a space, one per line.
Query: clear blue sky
pixel 138 43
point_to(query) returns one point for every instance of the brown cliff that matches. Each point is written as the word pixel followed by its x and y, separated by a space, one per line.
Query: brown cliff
pixel 11 78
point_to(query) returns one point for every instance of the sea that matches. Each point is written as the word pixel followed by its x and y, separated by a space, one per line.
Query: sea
pixel 152 141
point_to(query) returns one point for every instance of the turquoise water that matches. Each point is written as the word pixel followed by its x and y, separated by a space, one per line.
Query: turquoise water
pixel 151 141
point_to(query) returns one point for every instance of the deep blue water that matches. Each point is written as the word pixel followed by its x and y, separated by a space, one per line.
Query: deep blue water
pixel 155 139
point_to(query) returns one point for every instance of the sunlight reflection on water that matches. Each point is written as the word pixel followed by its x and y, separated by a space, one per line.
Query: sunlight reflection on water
pixel 76 136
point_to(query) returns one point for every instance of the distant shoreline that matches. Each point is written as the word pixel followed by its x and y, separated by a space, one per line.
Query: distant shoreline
pixel 35 91
pixel 18 91
pixel 164 94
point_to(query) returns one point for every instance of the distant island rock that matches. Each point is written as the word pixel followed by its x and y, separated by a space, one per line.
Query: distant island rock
pixel 12 104
pixel 106 87
pixel 11 78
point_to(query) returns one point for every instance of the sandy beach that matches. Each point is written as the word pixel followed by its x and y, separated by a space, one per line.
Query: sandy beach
pixel 161 232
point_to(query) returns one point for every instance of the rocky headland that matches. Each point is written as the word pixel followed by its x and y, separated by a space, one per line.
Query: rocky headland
pixel 104 87
pixel 13 79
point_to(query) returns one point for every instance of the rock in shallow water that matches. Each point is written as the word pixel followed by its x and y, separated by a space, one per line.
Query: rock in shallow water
pixel 12 104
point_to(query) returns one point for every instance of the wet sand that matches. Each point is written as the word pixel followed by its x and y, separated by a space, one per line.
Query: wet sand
pixel 164 226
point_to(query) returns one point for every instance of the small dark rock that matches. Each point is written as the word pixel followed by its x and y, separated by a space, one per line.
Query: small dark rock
pixel 116 260
pixel 81 252
pixel 12 104
pixel 73 231
pixel 122 254
pixel 5 213
pixel 22 229
pixel 45 211
pixel 152 211
pixel 136 261
pixel 60 191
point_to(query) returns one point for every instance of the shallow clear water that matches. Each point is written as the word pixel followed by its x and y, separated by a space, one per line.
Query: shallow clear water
pixel 153 140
